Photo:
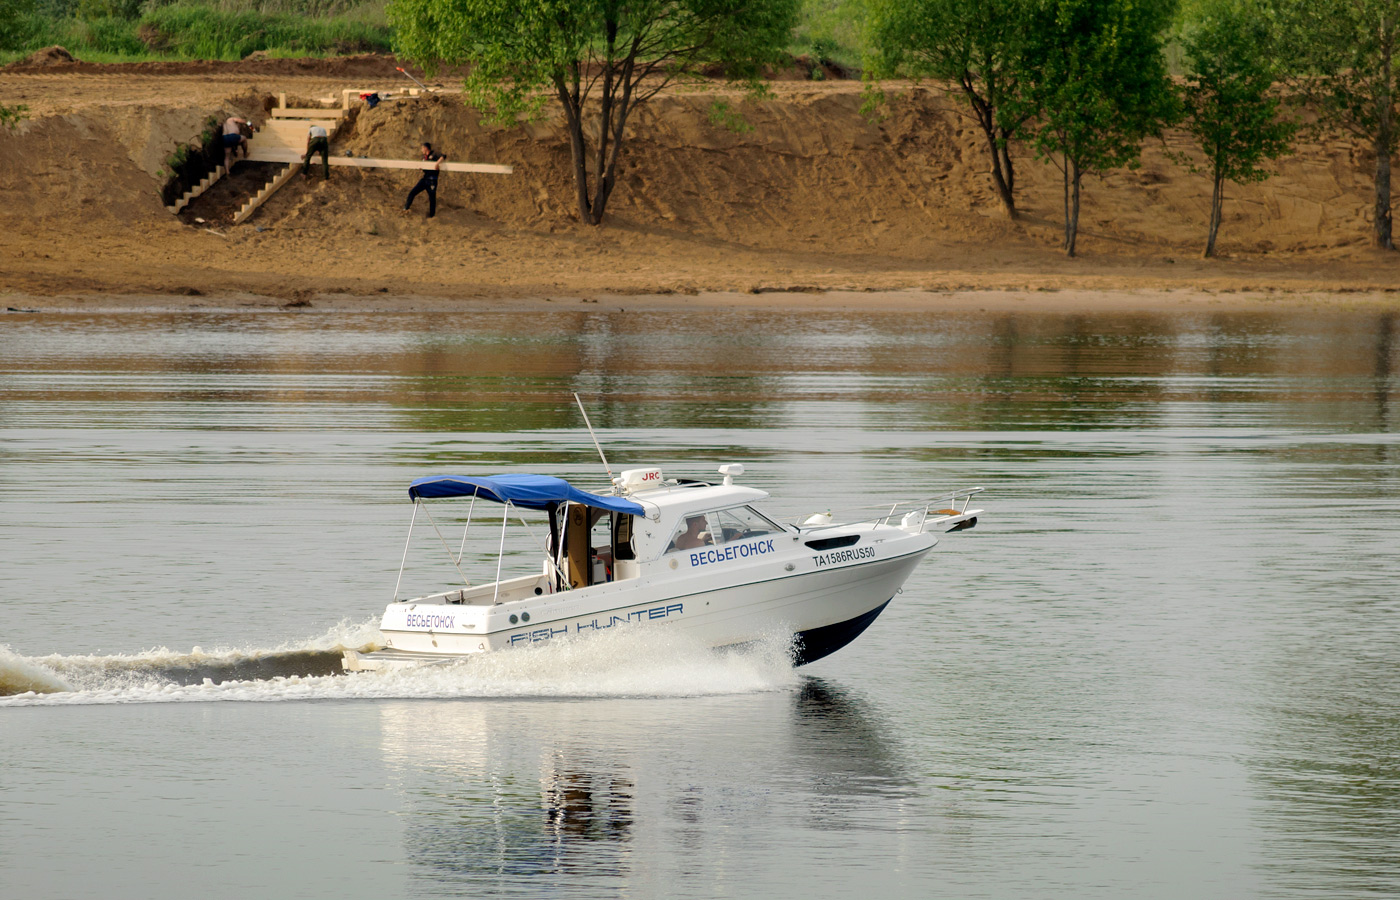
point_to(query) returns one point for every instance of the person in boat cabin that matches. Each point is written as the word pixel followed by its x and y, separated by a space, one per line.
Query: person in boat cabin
pixel 692 537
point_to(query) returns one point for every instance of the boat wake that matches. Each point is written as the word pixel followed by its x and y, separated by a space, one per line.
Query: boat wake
pixel 641 662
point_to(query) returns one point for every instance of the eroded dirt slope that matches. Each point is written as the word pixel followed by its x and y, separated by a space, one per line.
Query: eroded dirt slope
pixel 811 194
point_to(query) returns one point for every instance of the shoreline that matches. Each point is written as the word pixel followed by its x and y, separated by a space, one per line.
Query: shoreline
pixel 1069 301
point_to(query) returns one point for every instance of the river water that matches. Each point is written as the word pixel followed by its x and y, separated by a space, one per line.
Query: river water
pixel 1165 664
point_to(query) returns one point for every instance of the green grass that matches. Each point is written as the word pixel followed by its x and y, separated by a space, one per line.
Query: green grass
pixel 828 31
pixel 104 31
pixel 200 31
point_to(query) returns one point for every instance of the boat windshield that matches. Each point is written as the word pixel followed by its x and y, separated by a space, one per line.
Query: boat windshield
pixel 743 522
pixel 734 524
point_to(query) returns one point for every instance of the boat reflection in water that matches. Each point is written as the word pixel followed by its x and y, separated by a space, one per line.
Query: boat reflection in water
pixel 612 789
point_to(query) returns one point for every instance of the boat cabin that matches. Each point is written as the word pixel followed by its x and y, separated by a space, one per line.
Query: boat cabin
pixel 599 538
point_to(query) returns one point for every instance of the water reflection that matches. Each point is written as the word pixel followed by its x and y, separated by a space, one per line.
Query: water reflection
pixel 487 796
pixel 484 372
pixel 557 790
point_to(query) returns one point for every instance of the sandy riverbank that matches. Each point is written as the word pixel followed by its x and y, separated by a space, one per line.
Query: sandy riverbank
pixel 817 206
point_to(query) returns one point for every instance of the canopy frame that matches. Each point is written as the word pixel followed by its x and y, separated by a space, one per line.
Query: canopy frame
pixel 544 493
pixel 526 491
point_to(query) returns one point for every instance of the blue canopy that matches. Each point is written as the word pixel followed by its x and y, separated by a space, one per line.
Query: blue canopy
pixel 527 491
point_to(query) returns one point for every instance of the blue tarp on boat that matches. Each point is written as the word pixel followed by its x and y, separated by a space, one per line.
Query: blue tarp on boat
pixel 527 491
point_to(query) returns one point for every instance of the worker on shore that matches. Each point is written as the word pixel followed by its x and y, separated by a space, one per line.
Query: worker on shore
pixel 317 141
pixel 429 181
pixel 234 139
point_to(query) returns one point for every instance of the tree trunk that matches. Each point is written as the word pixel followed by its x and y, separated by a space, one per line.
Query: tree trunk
pixel 1064 171
pixel 1072 205
pixel 1002 176
pixel 1384 240
pixel 1217 201
pixel 573 118
pixel 617 100
pixel 607 175
pixel 1385 138
pixel 601 188
pixel 1010 173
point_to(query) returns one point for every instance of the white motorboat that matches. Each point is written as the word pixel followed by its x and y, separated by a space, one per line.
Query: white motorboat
pixel 655 552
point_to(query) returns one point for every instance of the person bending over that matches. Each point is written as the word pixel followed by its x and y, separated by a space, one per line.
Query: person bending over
pixel 234 140
pixel 317 141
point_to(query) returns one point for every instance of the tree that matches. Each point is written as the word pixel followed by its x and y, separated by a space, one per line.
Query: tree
pixel 972 44
pixel 600 59
pixel 1346 55
pixel 1231 108
pixel 1095 77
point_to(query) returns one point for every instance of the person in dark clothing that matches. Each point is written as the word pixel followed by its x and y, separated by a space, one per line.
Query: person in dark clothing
pixel 317 141
pixel 428 182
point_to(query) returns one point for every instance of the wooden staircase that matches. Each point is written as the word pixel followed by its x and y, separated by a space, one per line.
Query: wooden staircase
pixel 283 139
pixel 205 184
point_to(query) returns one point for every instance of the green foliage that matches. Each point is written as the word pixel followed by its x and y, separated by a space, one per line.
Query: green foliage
pixel 598 59
pixel 14 23
pixel 1228 92
pixel 829 32
pixel 110 34
pixel 206 32
pixel 91 10
pixel 1347 53
pixel 722 114
pixel 102 30
pixel 1228 97
pixel 10 116
pixel 1095 78
pixel 1345 59
pixel 213 131
pixel 943 39
pixel 517 48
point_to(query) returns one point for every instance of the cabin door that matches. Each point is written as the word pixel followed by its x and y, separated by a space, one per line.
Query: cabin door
pixel 576 523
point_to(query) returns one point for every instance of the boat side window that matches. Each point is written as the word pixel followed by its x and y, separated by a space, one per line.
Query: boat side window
pixel 693 531
pixel 622 539
pixel 743 522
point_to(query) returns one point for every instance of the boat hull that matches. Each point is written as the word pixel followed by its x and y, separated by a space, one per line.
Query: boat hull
pixel 823 609
pixel 815 643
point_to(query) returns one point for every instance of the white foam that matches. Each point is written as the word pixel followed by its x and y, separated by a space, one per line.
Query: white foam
pixel 640 662
pixel 19 675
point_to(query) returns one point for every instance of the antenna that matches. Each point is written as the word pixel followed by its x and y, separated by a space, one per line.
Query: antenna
pixel 592 435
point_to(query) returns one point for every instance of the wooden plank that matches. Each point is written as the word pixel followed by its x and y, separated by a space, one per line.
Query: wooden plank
pixel 270 154
pixel 298 126
pixel 293 113
pixel 288 135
